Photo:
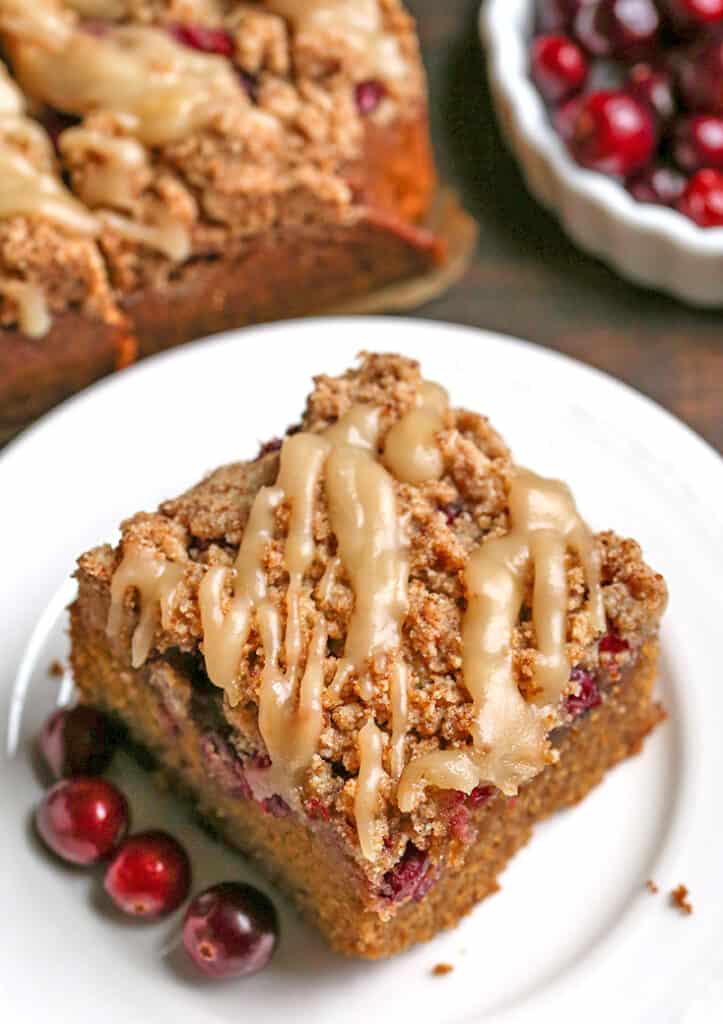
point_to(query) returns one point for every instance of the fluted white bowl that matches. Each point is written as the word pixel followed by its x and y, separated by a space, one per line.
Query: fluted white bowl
pixel 651 245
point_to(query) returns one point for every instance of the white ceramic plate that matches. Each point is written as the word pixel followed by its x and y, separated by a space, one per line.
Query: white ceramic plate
pixel 573 935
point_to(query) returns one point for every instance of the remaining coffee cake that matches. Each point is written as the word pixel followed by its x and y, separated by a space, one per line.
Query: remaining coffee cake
pixel 53 283
pixel 376 654
pixel 229 163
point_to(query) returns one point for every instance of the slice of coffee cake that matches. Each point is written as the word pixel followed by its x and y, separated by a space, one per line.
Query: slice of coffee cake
pixel 376 654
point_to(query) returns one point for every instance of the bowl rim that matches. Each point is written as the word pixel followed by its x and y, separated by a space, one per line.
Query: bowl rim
pixel 505 29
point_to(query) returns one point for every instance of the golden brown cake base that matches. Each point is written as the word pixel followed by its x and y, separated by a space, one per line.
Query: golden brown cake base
pixel 37 373
pixel 304 857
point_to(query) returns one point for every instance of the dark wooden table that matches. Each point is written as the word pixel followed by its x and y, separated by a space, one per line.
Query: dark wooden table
pixel 527 279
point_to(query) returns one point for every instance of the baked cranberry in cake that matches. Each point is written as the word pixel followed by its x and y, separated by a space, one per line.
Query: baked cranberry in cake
pixel 203 38
pixel 587 696
pixel 368 95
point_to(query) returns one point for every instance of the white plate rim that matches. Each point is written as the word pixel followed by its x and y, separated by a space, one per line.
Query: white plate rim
pixel 699 456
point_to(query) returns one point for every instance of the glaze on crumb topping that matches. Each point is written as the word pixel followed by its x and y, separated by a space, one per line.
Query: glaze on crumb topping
pixel 282 152
pixel 445 521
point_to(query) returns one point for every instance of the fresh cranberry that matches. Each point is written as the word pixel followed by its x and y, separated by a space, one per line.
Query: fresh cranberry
pixel 588 695
pixel 82 819
pixel 230 930
pixel 77 741
pixel 611 643
pixel 565 118
pixel 696 12
pixel 559 68
pixel 556 15
pixel 654 86
pixel 613 133
pixel 702 200
pixel 411 878
pixel 618 28
pixel 480 796
pixel 699 142
pixel 700 77
pixel 149 875
pixel 657 184
pixel 203 38
pixel 368 95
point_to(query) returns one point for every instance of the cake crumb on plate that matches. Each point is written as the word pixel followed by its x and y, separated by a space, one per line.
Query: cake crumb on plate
pixel 55 669
pixel 651 886
pixel 439 970
pixel 680 899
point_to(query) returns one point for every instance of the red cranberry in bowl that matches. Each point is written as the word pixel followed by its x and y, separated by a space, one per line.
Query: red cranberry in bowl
pixel 230 930
pixel 700 77
pixel 654 86
pixel 696 12
pixel 702 199
pixel 77 741
pixel 565 118
pixel 149 875
pixel 203 38
pixel 557 15
pixel 618 28
pixel 82 820
pixel 659 184
pixel 612 132
pixel 559 67
pixel 698 142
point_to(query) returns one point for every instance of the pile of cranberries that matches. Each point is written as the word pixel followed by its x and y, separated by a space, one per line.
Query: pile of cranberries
pixel 229 930
pixel 636 91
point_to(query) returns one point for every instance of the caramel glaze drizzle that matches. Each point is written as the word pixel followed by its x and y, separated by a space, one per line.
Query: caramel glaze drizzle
pixel 509 735
pixel 30 187
pixel 359 20
pixel 168 89
pixel 156 580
